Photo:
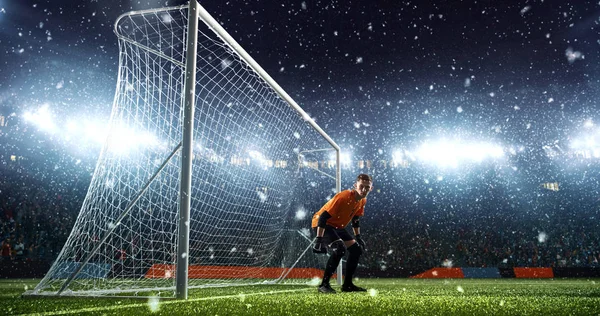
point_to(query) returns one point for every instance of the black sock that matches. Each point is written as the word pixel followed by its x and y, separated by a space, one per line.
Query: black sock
pixel 332 264
pixel 352 263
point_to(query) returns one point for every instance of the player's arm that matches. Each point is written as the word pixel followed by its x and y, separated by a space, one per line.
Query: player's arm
pixel 356 225
pixel 322 223
pixel 319 245
pixel 356 228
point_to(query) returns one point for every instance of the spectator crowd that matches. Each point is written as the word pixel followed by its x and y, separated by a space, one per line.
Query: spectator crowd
pixel 407 225
pixel 37 211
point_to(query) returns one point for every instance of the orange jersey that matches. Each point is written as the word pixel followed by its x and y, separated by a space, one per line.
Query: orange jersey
pixel 342 207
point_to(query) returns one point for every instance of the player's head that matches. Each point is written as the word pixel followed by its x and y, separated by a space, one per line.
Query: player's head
pixel 363 185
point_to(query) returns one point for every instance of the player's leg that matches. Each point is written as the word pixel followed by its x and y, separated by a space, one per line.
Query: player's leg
pixel 338 249
pixel 354 253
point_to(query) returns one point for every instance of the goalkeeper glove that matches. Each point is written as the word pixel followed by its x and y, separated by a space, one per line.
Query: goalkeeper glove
pixel 361 242
pixel 319 246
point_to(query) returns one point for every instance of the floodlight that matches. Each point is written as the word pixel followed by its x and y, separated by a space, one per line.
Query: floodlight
pixel 42 118
pixel 446 153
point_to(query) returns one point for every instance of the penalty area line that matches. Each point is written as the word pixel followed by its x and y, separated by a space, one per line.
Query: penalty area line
pixel 117 307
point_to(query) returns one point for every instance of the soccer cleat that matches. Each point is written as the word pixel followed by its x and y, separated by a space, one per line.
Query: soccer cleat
pixel 352 288
pixel 326 288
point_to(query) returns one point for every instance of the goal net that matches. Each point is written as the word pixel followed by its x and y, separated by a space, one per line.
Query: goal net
pixel 251 204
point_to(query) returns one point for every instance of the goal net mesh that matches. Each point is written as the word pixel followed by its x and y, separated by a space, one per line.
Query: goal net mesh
pixel 251 200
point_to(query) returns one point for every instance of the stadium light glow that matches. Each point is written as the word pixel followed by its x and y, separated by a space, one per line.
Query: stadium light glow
pixel 447 153
pixel 345 159
pixel 124 140
pixel 514 151
pixel 397 157
pixel 93 132
pixel 42 118
pixel 588 145
pixel 83 132
pixel 256 155
pixel 260 158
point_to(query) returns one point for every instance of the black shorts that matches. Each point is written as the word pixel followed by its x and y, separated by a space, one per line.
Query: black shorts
pixel 332 234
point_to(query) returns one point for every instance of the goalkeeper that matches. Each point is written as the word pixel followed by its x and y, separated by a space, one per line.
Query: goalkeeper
pixel 330 224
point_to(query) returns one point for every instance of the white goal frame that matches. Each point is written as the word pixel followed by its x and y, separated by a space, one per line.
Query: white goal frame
pixel 196 13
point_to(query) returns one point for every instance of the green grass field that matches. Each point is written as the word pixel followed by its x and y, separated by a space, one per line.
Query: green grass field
pixel 385 297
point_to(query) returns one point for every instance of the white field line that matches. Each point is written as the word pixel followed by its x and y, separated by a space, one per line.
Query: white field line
pixel 9 295
pixel 491 283
pixel 146 304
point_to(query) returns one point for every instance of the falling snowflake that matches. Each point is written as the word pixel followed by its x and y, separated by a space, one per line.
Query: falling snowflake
pixel 314 281
pixel 305 232
pixel 166 18
pixel 225 63
pixel 262 196
pixel 154 304
pixel 572 55
pixel 301 213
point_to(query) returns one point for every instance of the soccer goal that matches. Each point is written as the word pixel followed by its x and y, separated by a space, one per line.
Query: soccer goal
pixel 197 184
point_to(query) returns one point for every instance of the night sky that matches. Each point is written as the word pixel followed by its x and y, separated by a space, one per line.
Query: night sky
pixel 392 68
pixel 376 75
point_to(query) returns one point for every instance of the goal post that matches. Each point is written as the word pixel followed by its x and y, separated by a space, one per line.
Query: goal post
pixel 317 161
pixel 197 183
pixel 181 288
